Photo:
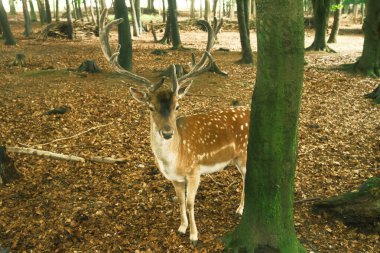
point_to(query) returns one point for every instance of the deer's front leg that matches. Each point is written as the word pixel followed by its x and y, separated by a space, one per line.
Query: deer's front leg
pixel 192 187
pixel 180 188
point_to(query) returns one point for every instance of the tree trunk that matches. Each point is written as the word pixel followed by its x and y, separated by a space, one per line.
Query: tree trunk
pixel 86 10
pixel 192 9
pixel 246 50
pixel 97 12
pixel 8 172
pixel 321 10
pixel 7 33
pixel 214 8
pixel 207 10
pixel 12 7
pixel 163 11
pixel 75 12
pixel 70 29
pixel 33 16
pixel 232 10
pixel 200 9
pixel 360 207
pixel 355 11
pixel 335 27
pixel 57 18
pixel 134 19
pixel 103 4
pixel 48 12
pixel 41 11
pixel 79 9
pixel 368 63
pixel 92 13
pixel 27 22
pixel 138 15
pixel 124 32
pixel 177 44
pixel 267 224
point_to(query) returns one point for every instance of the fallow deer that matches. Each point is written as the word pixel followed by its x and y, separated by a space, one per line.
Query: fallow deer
pixel 186 147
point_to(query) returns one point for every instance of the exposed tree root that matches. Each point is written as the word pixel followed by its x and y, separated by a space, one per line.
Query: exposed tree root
pixel 375 95
pixel 323 48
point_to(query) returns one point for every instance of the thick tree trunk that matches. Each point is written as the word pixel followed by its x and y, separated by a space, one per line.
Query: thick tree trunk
pixel 48 12
pixel 7 33
pixel 246 50
pixel 368 63
pixel 375 95
pixel 134 19
pixel 70 29
pixel 321 10
pixel 267 224
pixel 124 32
pixel 177 44
pixel 335 27
pixel 27 21
pixel 360 207
pixel 33 16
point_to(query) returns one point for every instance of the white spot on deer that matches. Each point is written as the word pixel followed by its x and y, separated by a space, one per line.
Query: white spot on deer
pixel 246 136
pixel 246 124
pixel 242 127
pixel 233 118
pixel 184 142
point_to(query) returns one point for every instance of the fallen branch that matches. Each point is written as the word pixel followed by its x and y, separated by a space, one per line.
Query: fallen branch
pixel 52 155
pixel 306 200
pixel 73 136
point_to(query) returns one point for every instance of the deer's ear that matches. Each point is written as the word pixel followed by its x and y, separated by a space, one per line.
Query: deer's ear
pixel 139 95
pixel 184 89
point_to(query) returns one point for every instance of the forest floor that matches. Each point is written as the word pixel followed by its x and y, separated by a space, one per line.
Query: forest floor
pixel 61 206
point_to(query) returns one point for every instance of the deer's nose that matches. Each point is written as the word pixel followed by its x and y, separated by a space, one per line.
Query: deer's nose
pixel 167 132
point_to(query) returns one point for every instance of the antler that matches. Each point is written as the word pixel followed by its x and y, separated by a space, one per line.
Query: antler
pixel 104 30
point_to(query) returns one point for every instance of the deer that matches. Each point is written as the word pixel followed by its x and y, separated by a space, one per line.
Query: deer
pixel 186 147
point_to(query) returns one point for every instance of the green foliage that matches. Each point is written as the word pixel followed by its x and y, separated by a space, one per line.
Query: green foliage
pixel 345 2
pixel 335 7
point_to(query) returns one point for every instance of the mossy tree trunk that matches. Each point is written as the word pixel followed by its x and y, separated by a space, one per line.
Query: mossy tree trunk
pixel 267 224
pixel 336 23
pixel 124 33
pixel 243 20
pixel 33 16
pixel 174 28
pixel 41 11
pixel 368 63
pixel 321 9
pixel 27 21
pixel 360 207
pixel 7 33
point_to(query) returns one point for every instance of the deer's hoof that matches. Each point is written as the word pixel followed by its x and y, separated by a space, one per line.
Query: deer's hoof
pixel 182 229
pixel 193 243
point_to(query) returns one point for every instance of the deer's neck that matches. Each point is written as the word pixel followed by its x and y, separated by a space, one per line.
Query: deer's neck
pixel 164 150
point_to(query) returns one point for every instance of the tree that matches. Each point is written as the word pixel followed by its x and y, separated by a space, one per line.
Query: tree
pixel 27 21
pixel 243 19
pixel 124 32
pixel 41 11
pixel 177 44
pixel 368 63
pixel 207 10
pixel 69 21
pixel 48 12
pixel 7 33
pixel 337 7
pixel 12 7
pixel 136 31
pixel 321 9
pixel 192 9
pixel 267 224
pixel 33 16
pixel 138 15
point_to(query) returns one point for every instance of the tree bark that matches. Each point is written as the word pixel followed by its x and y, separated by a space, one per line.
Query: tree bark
pixel 267 224
pixel 86 10
pixel 321 10
pixel 207 10
pixel 12 7
pixel 134 19
pixel 335 27
pixel 70 29
pixel 177 44
pixel 7 33
pixel 368 63
pixel 124 33
pixel 246 50
pixel 214 8
pixel 192 9
pixel 48 12
pixel 41 11
pixel 27 21
pixel 33 16
pixel 138 15
pixel 57 18
pixel 163 11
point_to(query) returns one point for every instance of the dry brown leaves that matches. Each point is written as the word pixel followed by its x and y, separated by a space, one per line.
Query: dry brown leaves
pixel 63 206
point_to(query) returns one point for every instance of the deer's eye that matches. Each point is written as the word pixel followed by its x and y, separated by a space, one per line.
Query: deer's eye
pixel 177 108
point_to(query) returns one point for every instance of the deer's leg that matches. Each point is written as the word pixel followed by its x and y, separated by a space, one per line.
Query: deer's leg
pixel 192 187
pixel 180 190
pixel 242 169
